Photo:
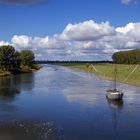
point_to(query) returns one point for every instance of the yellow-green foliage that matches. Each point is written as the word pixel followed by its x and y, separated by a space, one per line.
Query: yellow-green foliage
pixel 36 67
pixel 27 69
pixel 4 73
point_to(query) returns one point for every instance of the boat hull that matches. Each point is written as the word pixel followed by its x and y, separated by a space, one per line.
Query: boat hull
pixel 114 95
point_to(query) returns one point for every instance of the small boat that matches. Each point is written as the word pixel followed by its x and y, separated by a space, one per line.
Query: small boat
pixel 114 94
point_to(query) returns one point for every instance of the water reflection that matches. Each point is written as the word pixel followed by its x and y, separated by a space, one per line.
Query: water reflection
pixel 115 104
pixel 11 86
pixel 24 81
pixel 8 88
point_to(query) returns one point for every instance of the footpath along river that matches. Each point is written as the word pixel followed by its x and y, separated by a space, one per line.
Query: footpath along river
pixel 57 103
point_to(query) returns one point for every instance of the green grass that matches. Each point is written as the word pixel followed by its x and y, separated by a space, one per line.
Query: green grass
pixel 106 72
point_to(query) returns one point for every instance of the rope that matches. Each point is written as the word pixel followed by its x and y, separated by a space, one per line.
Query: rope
pixel 94 68
pixel 131 73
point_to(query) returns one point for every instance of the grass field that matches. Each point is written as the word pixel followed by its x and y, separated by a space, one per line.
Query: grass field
pixel 105 71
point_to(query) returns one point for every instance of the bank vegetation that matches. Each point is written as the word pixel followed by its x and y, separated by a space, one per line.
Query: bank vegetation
pixel 14 62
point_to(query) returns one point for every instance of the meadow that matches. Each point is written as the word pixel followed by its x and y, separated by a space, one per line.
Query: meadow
pixel 106 71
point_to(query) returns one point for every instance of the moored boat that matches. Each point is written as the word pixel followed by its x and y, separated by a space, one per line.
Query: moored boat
pixel 114 94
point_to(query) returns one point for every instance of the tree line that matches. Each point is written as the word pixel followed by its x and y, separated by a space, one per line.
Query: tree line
pixel 12 60
pixel 127 57
pixel 70 62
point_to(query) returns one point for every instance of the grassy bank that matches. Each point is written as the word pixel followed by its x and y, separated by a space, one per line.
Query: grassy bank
pixel 23 69
pixel 105 71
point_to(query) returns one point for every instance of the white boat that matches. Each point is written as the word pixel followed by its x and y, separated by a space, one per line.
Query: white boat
pixel 114 94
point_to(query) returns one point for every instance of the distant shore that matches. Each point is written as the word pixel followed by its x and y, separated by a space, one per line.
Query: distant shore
pixel 105 71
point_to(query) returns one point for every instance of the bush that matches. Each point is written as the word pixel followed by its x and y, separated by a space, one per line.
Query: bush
pixel 27 58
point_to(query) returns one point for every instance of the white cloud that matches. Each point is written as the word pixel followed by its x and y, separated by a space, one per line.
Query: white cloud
pixel 82 41
pixel 88 30
pixel 127 2
pixel 22 41
pixel 4 43
pixel 125 29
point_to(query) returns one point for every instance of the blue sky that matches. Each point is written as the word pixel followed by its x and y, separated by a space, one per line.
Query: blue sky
pixel 51 17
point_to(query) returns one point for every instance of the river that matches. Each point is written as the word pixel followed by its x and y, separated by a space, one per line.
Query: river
pixel 57 103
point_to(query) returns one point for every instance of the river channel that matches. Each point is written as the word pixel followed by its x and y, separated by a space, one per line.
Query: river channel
pixel 57 103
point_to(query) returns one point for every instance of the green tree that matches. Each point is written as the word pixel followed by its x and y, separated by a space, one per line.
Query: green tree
pixel 127 57
pixel 9 59
pixel 17 61
pixel 27 58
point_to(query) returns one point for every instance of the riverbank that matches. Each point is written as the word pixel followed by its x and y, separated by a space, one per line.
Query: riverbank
pixel 23 69
pixel 26 69
pixel 4 73
pixel 105 71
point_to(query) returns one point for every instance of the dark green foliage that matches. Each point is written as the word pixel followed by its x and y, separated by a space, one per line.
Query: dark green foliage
pixel 27 58
pixel 11 60
pixel 8 58
pixel 127 57
pixel 17 61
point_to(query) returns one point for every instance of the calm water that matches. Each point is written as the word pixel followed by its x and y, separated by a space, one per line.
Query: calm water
pixel 57 103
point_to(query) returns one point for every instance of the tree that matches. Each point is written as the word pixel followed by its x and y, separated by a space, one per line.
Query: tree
pixel 27 58
pixel 9 59
pixel 127 57
pixel 17 61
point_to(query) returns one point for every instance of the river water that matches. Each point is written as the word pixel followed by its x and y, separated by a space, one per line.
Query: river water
pixel 57 103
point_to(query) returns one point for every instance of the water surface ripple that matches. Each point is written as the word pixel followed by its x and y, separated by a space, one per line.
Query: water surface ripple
pixel 57 103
